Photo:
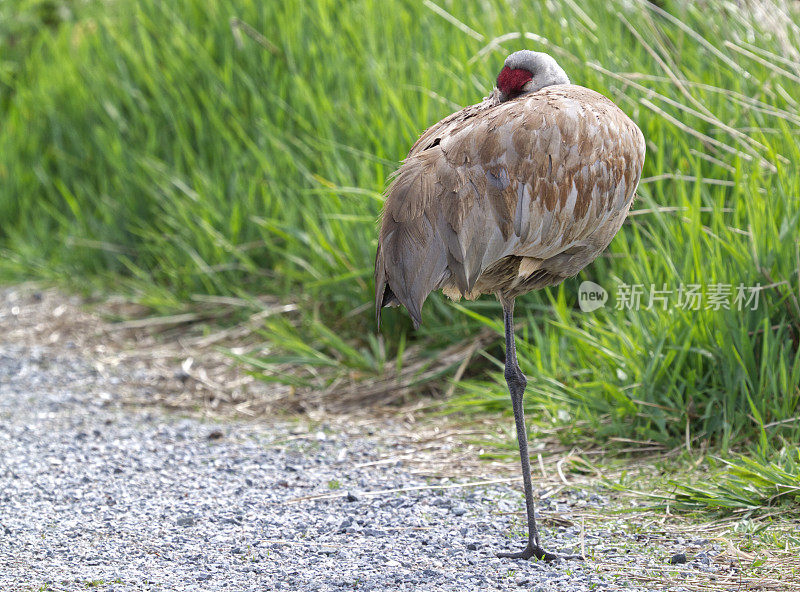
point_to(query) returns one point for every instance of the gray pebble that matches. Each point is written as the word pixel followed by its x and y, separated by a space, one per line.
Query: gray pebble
pixel 186 521
pixel 678 558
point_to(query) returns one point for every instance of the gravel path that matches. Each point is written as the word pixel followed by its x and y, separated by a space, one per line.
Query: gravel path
pixel 94 495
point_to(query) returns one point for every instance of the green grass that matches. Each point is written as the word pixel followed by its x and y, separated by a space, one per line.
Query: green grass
pixel 154 147
pixel 753 485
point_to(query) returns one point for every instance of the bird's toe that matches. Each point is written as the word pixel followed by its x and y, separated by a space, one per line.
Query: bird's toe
pixel 528 552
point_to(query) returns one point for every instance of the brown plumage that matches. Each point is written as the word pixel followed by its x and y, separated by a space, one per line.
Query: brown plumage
pixel 510 195
pixel 507 197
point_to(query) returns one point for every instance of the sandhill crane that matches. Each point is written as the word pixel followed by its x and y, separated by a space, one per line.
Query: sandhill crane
pixel 510 195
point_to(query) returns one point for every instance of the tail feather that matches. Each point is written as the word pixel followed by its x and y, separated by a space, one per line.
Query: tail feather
pixel 380 286
pixel 409 292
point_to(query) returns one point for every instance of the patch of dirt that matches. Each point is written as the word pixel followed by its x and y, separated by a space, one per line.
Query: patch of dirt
pixel 185 364
pixel 185 355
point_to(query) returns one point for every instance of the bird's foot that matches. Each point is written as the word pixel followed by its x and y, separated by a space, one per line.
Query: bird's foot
pixel 528 552
pixel 536 551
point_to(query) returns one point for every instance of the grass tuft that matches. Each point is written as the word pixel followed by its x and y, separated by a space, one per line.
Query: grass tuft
pixel 748 485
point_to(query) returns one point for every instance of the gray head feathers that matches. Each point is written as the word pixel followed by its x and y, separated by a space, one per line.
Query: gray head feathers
pixel 543 67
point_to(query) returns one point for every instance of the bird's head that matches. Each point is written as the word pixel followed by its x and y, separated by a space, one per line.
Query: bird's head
pixel 526 72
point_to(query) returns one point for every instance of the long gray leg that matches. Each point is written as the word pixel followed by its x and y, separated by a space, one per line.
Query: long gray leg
pixel 516 385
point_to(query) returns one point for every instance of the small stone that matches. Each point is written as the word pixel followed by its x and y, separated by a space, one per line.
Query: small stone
pixel 392 563
pixel 472 546
pixel 354 528
pixel 373 532
pixel 678 558
pixel 351 497
pixel 215 435
pixel 186 521
pixel 459 511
